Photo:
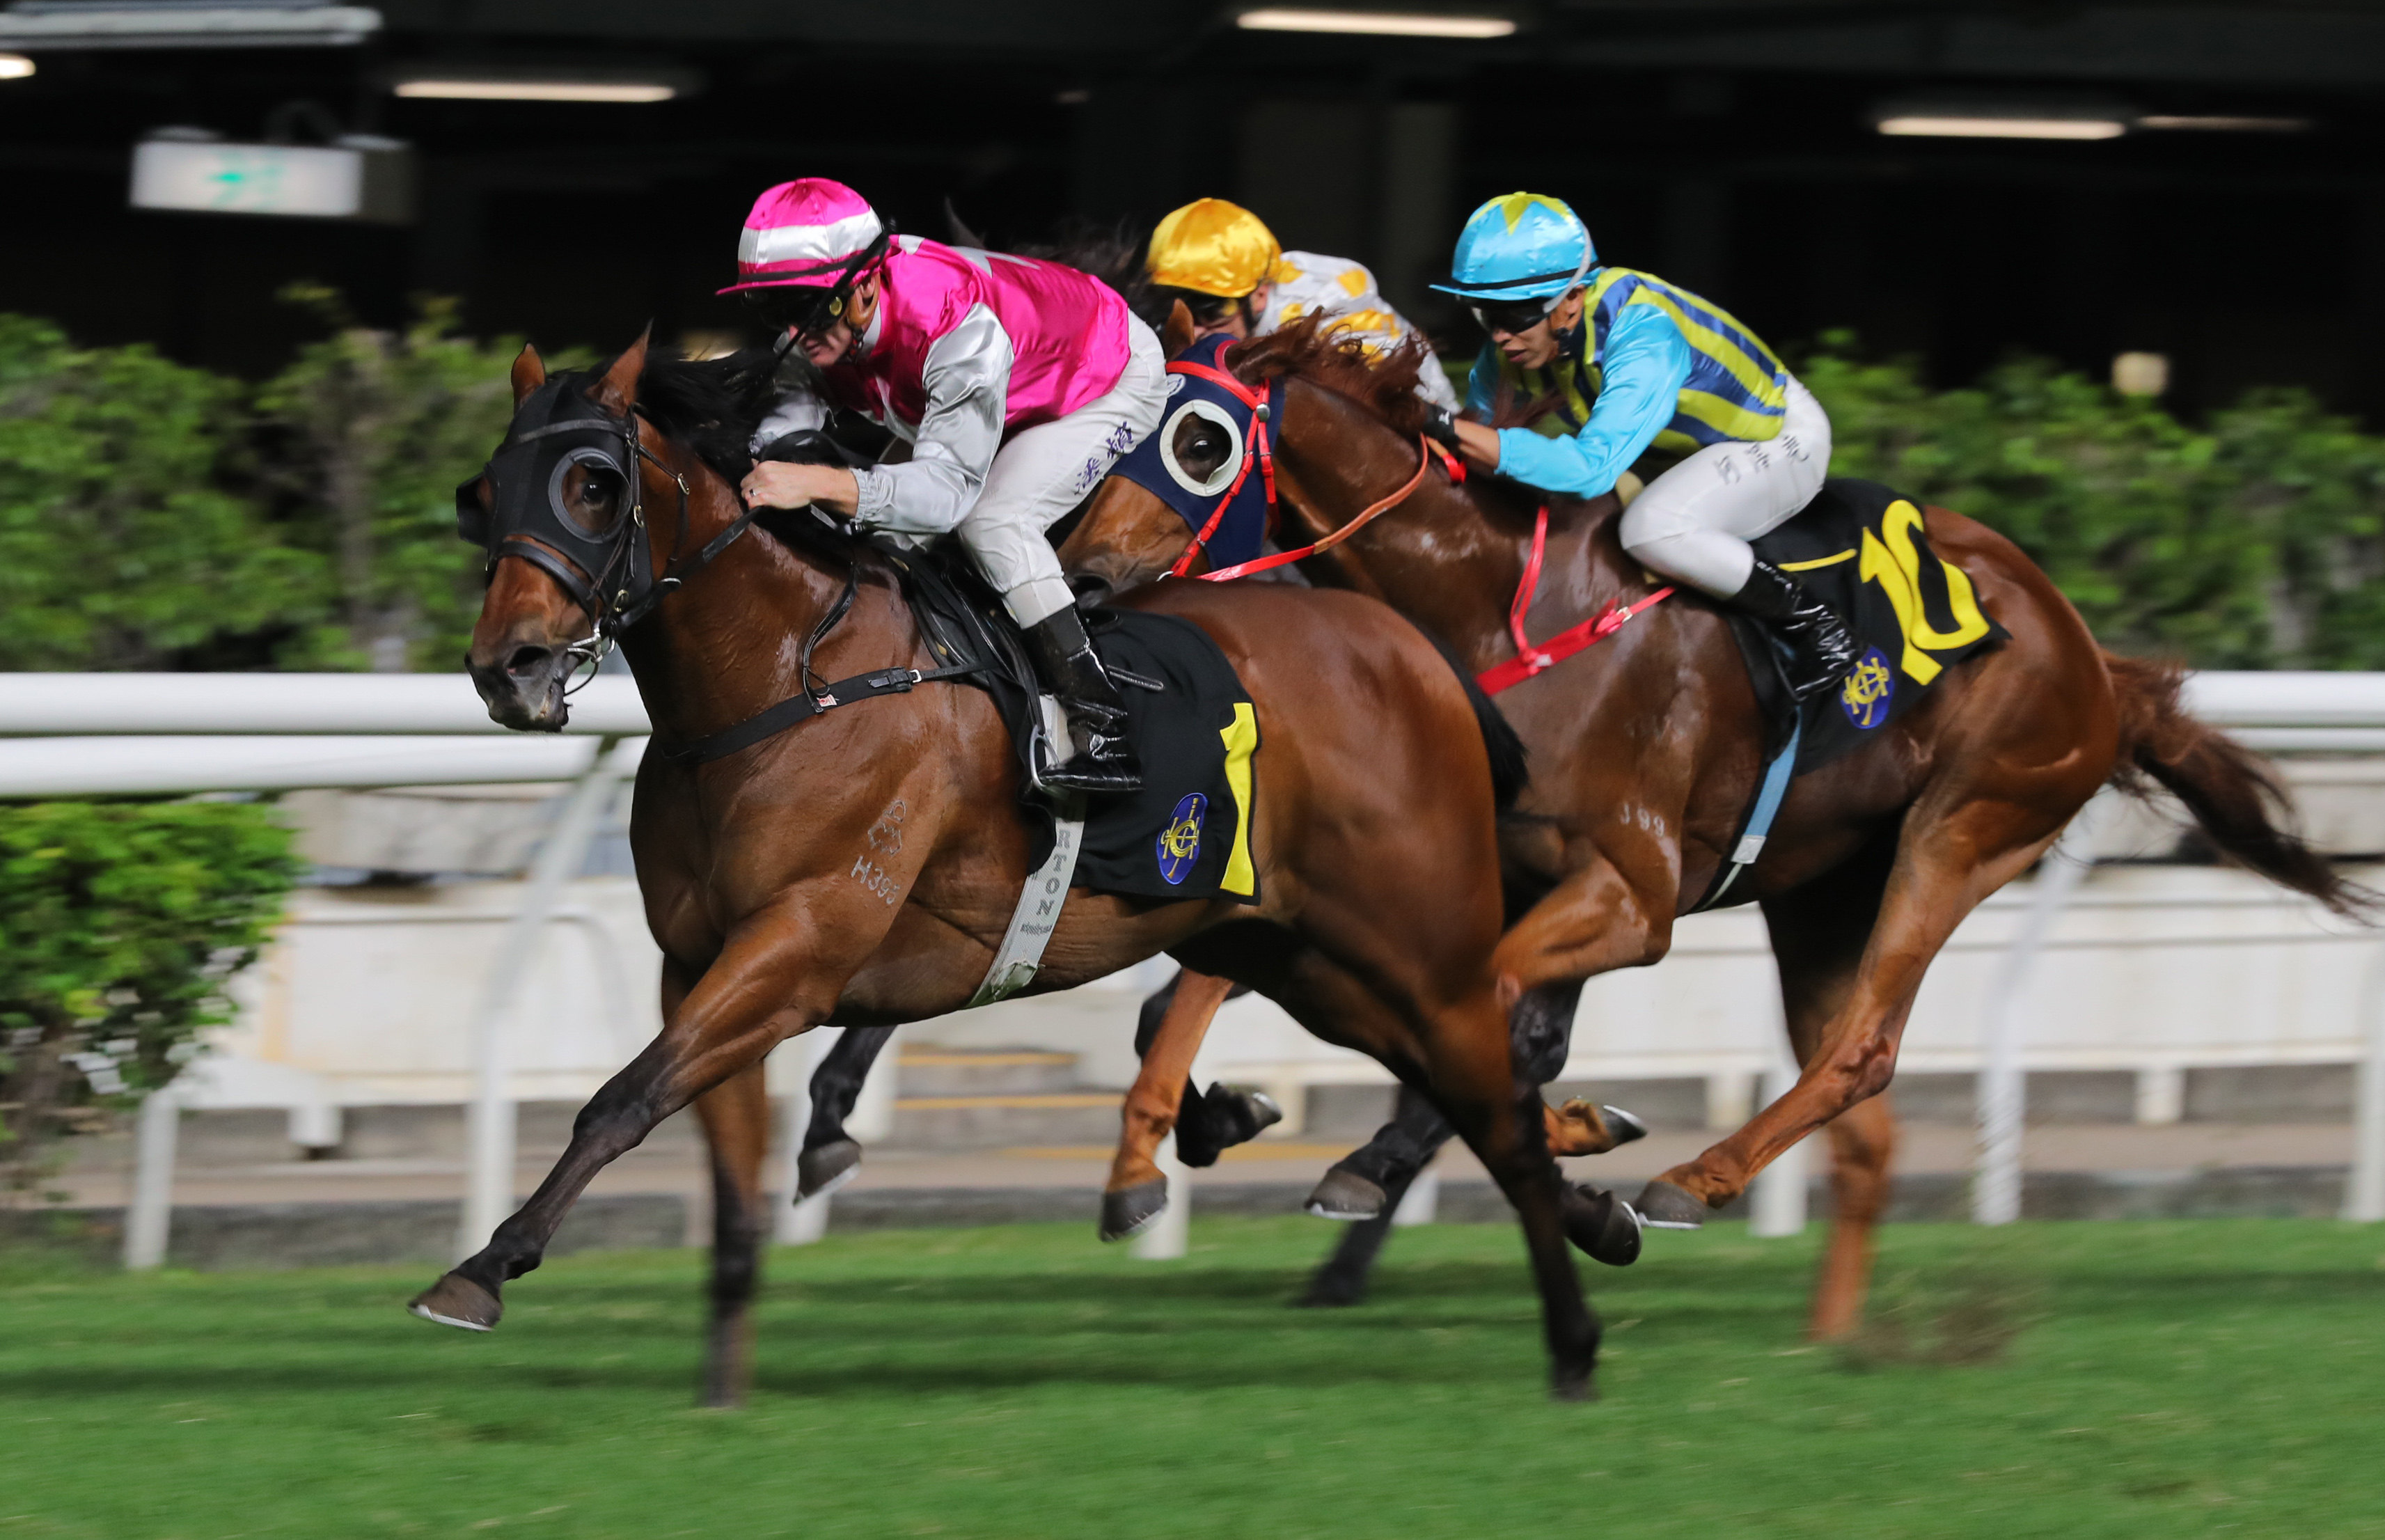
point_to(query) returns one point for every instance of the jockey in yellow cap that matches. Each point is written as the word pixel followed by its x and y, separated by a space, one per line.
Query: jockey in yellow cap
pixel 1224 264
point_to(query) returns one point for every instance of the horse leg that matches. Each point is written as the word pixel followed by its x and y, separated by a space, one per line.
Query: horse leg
pixel 1137 1191
pixel 1343 1278
pixel 1463 1057
pixel 1818 932
pixel 736 1117
pixel 1207 1123
pixel 830 1158
pixel 1947 860
pixel 763 988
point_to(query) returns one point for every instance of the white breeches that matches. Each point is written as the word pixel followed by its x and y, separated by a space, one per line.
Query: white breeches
pixel 1045 470
pixel 1696 520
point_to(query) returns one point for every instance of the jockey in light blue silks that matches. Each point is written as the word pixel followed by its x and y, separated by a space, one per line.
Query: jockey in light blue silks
pixel 1634 363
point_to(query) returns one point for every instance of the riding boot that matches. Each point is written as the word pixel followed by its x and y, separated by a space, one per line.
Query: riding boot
pixel 1065 659
pixel 1821 653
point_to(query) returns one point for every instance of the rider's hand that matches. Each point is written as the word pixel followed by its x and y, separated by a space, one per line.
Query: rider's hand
pixel 779 484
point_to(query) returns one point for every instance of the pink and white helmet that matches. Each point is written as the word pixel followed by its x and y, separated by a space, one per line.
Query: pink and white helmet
pixel 808 234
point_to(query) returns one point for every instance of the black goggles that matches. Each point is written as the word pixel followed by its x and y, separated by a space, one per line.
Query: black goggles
pixel 801 310
pixel 1511 316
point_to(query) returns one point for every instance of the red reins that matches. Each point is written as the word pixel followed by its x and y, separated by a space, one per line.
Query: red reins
pixel 1257 450
pixel 1528 659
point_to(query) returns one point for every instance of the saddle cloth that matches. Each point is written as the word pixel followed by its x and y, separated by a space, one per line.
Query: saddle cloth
pixel 1859 547
pixel 1186 833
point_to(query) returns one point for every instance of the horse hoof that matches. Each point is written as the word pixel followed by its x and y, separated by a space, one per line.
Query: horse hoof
pixel 1623 1125
pixel 1664 1207
pixel 1573 1385
pixel 1265 1112
pixel 456 1301
pixel 1131 1210
pixel 821 1172
pixel 1345 1195
pixel 1602 1226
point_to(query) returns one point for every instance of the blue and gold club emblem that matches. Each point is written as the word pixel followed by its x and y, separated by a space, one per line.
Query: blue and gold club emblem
pixel 1868 690
pixel 1180 842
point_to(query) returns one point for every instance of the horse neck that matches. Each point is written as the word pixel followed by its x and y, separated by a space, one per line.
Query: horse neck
pixel 728 643
pixel 1451 556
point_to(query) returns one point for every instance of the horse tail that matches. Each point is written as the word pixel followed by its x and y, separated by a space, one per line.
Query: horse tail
pixel 1509 772
pixel 2235 797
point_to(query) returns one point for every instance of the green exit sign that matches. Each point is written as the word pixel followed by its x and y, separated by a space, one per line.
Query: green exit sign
pixel 357 177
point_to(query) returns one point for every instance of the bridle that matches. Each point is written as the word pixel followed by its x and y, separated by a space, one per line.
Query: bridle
pixel 609 575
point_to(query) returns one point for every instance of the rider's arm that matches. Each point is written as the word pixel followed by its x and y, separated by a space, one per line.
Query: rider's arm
pixel 1645 364
pixel 966 380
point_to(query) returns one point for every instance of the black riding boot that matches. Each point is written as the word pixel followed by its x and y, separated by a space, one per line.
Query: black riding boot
pixel 1073 673
pixel 1821 653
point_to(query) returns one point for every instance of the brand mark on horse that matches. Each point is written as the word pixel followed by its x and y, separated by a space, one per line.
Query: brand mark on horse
pixel 1179 846
pixel 876 878
pixel 887 832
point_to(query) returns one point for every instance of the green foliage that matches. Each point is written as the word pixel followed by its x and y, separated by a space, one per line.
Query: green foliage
pixel 120 923
pixel 2253 544
pixel 122 537
pixel 377 428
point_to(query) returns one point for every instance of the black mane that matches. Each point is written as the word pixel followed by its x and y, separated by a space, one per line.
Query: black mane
pixel 712 406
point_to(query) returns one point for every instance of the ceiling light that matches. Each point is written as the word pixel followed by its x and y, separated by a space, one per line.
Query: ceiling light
pixel 1376 23
pixel 2225 125
pixel 1936 125
pixel 15 66
pixel 468 83
pixel 178 24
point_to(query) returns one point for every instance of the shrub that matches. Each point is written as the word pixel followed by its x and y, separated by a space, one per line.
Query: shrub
pixel 120 925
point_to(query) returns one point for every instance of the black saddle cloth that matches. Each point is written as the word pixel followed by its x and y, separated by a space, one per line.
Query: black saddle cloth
pixel 1185 834
pixel 1859 547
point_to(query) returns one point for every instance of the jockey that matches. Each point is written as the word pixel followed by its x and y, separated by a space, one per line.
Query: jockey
pixel 1016 383
pixel 1634 363
pixel 1229 272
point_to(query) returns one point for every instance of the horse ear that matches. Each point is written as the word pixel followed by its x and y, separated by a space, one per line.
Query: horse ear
pixel 617 390
pixel 1176 335
pixel 529 372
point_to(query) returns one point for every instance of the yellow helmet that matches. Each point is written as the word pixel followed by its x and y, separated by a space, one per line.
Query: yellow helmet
pixel 1212 247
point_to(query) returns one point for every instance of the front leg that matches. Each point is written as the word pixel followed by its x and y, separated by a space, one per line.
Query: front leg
pixel 1137 1191
pixel 768 984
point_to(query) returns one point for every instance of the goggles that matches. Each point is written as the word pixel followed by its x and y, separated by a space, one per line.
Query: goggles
pixel 1512 316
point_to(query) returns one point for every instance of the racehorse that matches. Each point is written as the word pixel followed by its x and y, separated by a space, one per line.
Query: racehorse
pixel 1646 751
pixel 858 864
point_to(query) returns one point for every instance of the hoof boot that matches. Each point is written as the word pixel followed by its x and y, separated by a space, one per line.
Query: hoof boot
pixel 1602 1226
pixel 456 1301
pixel 1664 1207
pixel 1131 1210
pixel 823 1171
pixel 1345 1195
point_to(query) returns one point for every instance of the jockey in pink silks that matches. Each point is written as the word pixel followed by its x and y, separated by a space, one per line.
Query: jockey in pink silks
pixel 1016 383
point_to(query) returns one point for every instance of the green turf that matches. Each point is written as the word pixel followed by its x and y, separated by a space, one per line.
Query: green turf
pixel 2168 1380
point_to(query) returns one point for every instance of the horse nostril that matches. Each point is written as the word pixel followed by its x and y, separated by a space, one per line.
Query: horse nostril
pixel 525 658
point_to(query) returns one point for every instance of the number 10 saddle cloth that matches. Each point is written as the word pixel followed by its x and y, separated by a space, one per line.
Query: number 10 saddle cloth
pixel 1859 547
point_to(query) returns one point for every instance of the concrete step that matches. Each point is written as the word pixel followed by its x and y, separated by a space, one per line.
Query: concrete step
pixel 932 1070
pixel 999 1122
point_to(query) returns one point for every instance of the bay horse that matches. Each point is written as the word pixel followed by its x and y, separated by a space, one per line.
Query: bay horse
pixel 860 867
pixel 1646 750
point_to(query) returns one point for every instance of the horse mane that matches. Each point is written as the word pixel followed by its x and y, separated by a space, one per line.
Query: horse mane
pixel 712 406
pixel 1309 349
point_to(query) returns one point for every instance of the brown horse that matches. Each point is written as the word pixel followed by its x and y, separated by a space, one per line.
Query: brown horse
pixel 860 866
pixel 1645 752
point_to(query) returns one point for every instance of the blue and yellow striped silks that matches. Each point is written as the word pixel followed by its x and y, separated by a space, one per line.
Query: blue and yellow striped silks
pixel 1737 390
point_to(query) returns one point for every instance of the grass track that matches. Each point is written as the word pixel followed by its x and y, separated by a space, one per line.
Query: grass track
pixel 2178 1379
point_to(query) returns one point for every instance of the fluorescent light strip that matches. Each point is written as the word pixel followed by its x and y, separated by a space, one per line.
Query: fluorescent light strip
pixel 1932 126
pixel 538 91
pixel 1374 23
pixel 15 66
pixel 2225 125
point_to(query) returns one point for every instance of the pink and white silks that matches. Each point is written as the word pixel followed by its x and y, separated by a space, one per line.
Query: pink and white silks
pixel 1017 383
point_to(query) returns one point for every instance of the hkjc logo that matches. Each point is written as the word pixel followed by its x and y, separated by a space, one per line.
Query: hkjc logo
pixel 1868 690
pixel 1178 847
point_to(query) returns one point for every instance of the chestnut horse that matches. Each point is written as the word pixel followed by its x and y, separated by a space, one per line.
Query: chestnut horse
pixel 860 866
pixel 1646 750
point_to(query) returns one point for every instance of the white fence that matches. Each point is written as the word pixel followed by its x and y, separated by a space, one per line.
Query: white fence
pixel 2149 970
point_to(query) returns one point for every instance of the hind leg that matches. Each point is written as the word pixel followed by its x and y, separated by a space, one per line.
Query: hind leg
pixel 830 1158
pixel 736 1117
pixel 1458 1052
pixel 1819 934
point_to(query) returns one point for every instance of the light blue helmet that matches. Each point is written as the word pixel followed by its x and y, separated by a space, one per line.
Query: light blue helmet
pixel 1524 246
